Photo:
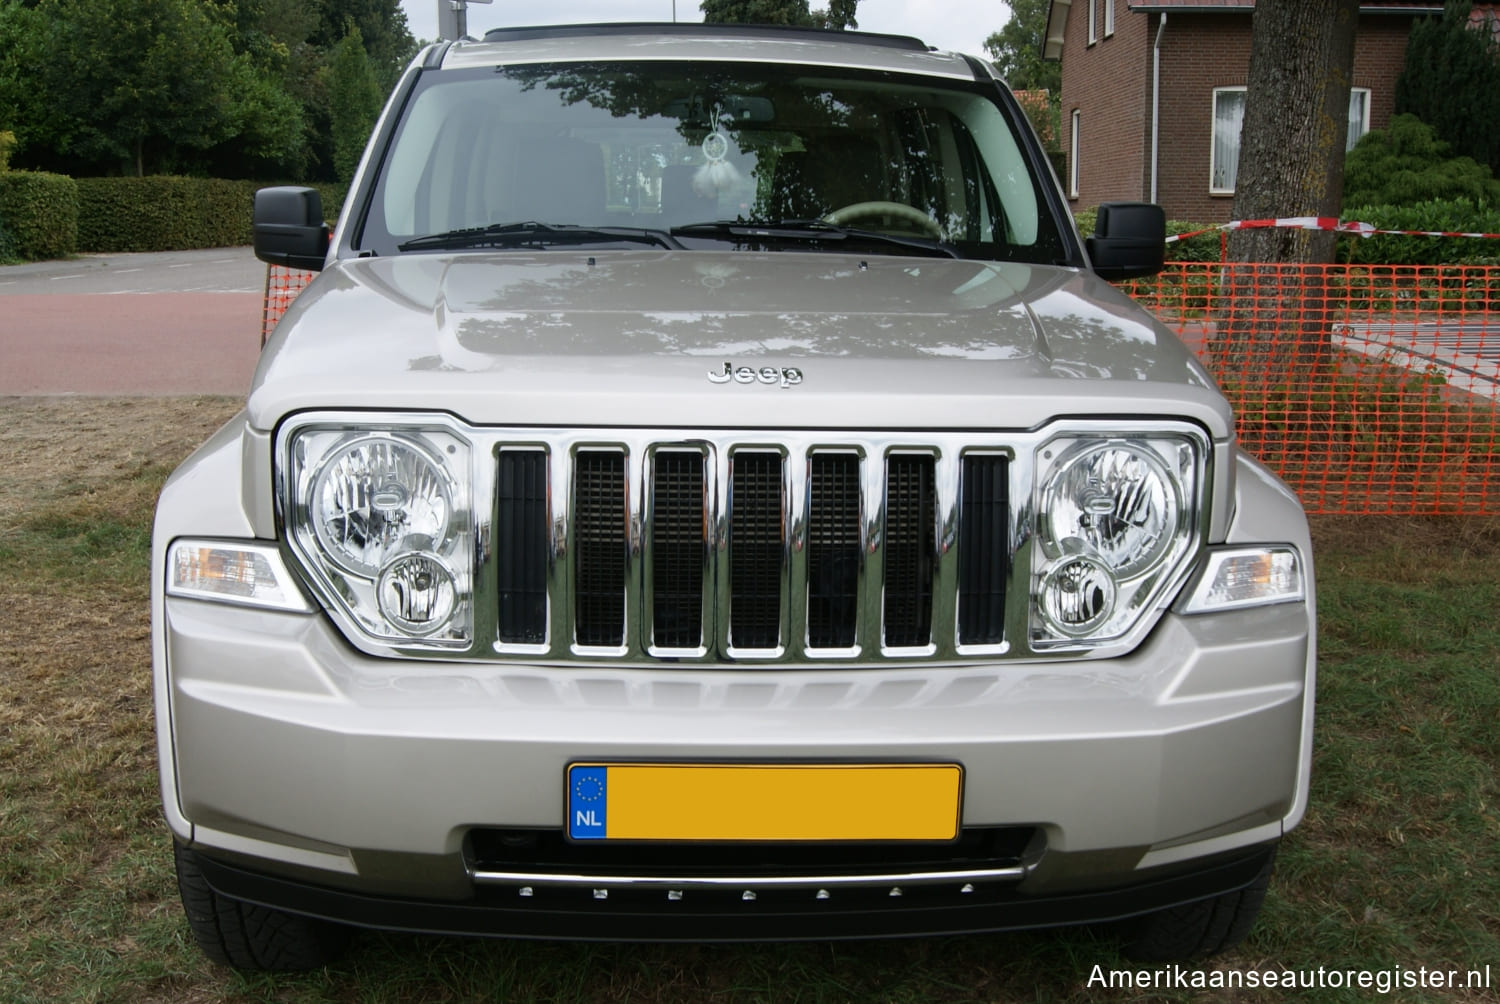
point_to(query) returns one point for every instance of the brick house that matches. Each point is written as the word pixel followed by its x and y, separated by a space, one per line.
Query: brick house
pixel 1127 64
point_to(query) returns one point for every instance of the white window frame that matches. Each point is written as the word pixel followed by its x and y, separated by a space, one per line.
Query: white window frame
pixel 1073 147
pixel 1093 21
pixel 1361 94
pixel 1109 18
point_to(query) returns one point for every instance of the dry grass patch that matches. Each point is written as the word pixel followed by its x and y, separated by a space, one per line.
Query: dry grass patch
pixel 77 751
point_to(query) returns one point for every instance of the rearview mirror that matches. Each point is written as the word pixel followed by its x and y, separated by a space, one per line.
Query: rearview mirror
pixel 1129 240
pixel 288 228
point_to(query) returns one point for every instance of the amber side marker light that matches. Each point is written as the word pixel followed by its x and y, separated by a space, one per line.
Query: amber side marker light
pixel 246 574
pixel 1246 577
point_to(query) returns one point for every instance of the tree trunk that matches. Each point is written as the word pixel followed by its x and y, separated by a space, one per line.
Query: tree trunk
pixel 1291 163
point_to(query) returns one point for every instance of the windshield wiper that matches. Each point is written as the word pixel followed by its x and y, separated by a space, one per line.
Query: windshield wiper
pixel 530 233
pixel 813 231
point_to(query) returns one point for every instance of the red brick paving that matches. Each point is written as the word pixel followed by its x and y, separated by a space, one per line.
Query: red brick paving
pixel 129 343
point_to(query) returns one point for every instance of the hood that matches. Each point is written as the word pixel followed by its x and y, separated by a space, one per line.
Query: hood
pixel 727 340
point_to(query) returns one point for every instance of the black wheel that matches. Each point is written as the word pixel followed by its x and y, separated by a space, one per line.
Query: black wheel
pixel 1206 927
pixel 250 937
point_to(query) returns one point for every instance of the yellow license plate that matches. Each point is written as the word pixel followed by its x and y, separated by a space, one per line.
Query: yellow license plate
pixel 656 801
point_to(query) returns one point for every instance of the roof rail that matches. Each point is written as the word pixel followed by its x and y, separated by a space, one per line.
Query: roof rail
pixel 525 34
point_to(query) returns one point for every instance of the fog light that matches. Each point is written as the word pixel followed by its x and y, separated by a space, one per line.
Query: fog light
pixel 1077 596
pixel 417 593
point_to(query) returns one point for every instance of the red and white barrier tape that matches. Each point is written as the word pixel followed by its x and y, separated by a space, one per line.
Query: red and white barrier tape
pixel 1322 223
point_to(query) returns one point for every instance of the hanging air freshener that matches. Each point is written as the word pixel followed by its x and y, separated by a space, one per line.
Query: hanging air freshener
pixel 717 175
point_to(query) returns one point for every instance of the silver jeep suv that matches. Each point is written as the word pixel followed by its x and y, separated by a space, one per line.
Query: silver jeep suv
pixel 711 492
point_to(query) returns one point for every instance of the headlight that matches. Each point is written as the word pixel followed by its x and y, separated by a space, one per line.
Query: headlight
pixel 376 495
pixel 1116 519
pixel 1118 502
pixel 380 517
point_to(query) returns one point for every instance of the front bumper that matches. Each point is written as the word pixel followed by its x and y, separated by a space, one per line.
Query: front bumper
pixel 291 751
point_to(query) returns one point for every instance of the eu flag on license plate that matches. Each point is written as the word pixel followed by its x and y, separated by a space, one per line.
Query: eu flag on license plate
pixel 586 802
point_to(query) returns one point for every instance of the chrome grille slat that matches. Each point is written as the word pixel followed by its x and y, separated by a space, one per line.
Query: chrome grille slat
pixel 762 549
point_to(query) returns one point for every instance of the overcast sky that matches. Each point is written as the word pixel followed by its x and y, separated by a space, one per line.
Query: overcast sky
pixel 961 25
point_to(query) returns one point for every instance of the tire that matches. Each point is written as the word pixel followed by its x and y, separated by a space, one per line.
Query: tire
pixel 1205 927
pixel 250 937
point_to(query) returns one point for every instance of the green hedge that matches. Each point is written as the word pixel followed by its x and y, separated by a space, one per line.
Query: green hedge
pixel 38 215
pixel 166 213
pixel 1448 216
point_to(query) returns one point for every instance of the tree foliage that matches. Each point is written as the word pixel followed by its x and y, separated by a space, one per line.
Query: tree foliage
pixel 796 13
pixel 1016 48
pixel 129 81
pixel 354 98
pixel 1406 163
pixel 236 88
pixel 382 27
pixel 1451 81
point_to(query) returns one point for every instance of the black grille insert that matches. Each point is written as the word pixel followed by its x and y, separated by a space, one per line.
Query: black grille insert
pixel 756 532
pixel 601 544
pixel 983 551
pixel 910 525
pixel 678 541
pixel 833 550
pixel 521 546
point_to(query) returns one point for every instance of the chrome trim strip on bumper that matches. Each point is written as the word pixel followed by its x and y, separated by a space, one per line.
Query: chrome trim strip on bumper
pixel 750 882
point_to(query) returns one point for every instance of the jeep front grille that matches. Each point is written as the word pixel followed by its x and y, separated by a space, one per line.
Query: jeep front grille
pixel 651 550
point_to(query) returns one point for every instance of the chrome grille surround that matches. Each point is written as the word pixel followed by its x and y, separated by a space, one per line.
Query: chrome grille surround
pixel 640 451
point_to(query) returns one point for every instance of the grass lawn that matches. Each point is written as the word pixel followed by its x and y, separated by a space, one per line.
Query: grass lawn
pixel 1397 864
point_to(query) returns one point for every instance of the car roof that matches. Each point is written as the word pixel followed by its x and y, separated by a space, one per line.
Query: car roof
pixel 710 43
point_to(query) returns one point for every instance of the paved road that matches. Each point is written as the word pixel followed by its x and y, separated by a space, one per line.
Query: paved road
pixel 1466 354
pixel 175 322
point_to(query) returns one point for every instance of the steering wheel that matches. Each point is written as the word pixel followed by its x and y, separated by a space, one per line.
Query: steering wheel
pixel 898 210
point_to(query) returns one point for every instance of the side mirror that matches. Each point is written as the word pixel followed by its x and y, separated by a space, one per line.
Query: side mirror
pixel 1129 241
pixel 288 228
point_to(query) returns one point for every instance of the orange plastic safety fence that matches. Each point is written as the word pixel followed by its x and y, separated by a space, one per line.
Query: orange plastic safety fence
pixel 282 286
pixel 1368 389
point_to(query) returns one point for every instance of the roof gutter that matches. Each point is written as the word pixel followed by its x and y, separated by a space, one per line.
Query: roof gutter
pixel 1057 26
pixel 1161 30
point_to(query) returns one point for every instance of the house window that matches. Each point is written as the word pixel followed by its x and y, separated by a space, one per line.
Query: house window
pixel 1229 117
pixel 1093 22
pixel 1109 18
pixel 1359 115
pixel 1073 157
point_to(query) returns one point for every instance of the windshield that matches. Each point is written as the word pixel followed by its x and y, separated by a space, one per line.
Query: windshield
pixel 671 148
